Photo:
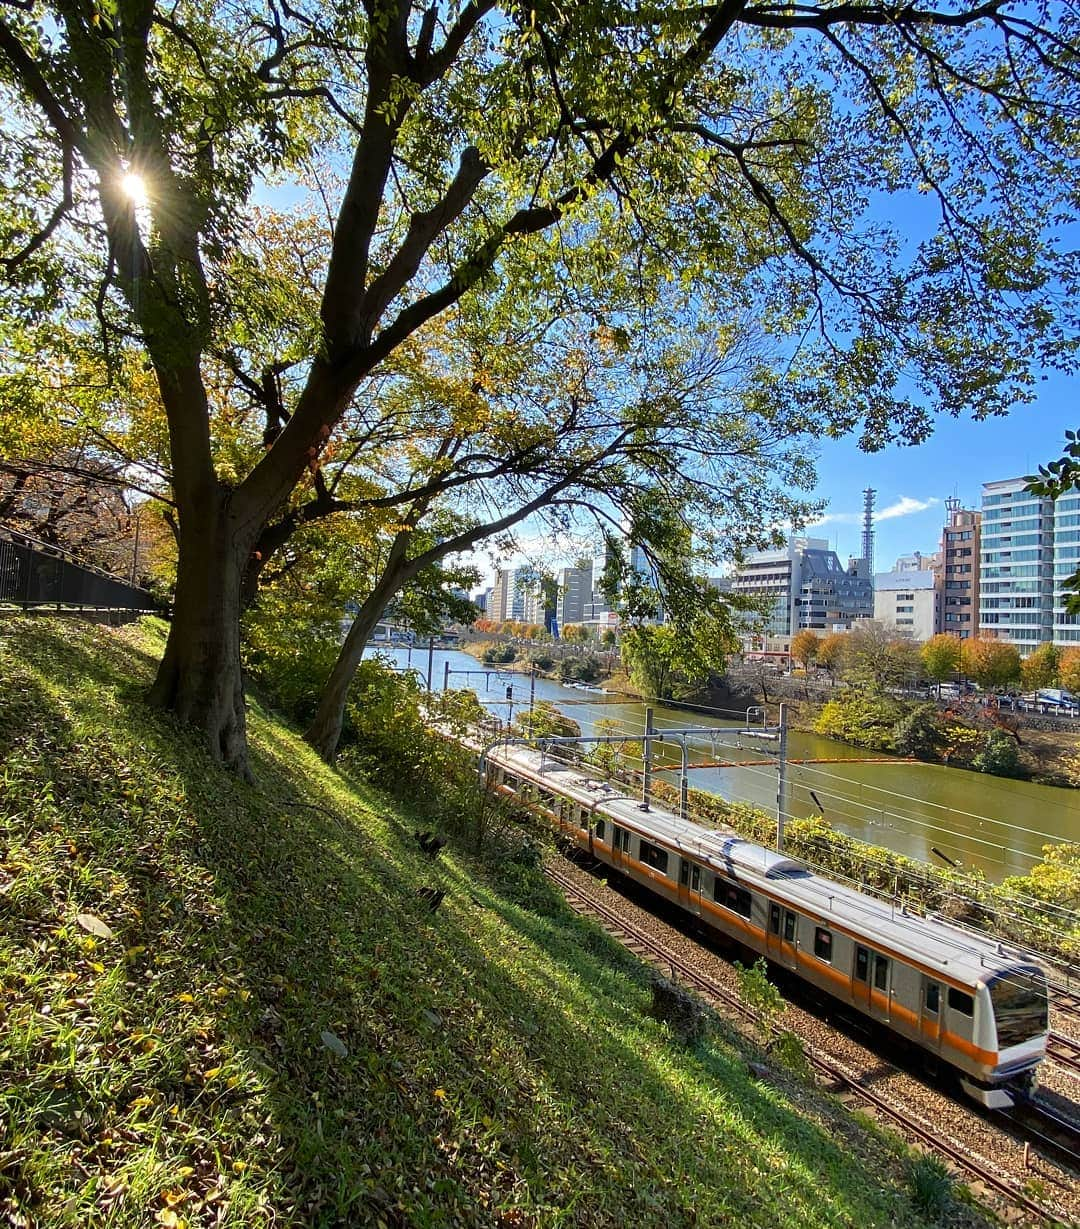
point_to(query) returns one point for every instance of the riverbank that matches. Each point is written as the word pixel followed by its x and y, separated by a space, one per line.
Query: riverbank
pixel 229 1005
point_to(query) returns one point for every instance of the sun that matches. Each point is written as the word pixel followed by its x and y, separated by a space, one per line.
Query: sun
pixel 134 188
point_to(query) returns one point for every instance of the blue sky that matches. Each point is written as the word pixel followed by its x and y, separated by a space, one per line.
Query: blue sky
pixel 958 458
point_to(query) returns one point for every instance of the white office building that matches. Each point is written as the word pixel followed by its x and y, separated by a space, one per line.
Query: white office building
pixel 908 600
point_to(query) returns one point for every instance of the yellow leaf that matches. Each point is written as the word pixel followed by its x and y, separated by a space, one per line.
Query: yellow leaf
pixel 97 967
pixel 221 992
pixel 140 1102
pixel 185 998
pixel 209 1075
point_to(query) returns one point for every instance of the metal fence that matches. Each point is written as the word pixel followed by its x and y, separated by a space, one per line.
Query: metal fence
pixel 35 574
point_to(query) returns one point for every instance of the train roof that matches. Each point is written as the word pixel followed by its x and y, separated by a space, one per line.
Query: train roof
pixel 926 939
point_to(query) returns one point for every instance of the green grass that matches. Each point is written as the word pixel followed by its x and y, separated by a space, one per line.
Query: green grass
pixel 501 1067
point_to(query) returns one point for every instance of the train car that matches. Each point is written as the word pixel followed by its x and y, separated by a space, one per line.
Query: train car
pixel 967 1001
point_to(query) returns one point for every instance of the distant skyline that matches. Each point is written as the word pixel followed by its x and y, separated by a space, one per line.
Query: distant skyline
pixel 912 483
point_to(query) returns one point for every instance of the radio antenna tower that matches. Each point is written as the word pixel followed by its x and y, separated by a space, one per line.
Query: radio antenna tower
pixel 868 529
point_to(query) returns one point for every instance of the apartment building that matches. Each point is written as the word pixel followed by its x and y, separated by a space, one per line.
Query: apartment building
pixel 960 570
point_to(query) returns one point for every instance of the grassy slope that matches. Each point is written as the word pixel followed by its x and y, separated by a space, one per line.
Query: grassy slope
pixel 501 1068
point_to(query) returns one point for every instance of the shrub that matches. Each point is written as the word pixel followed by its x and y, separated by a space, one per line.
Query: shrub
pixel 918 733
pixel 862 719
pixel 499 654
pixel 579 669
pixel 760 995
pixel 542 661
pixel 999 755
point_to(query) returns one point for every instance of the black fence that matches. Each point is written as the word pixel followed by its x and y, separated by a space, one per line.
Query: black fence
pixel 34 574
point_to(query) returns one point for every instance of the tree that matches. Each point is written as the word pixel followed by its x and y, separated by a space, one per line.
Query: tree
pixel 657 656
pixel 876 658
pixel 1069 670
pixel 830 652
pixel 1040 667
pixel 560 149
pixel 990 663
pixel 804 647
pixel 940 657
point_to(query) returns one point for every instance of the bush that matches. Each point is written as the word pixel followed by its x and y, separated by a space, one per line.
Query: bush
pixel 999 755
pixel 862 719
pixel 918 733
pixel 542 661
pixel 931 1186
pixel 579 669
pixel 499 654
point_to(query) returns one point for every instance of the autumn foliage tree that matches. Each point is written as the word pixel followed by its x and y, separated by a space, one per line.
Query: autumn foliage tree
pixel 804 647
pixel 940 657
pixel 830 653
pixel 990 663
pixel 1040 667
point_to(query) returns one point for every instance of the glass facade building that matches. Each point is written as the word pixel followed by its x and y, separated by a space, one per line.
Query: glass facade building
pixel 1029 547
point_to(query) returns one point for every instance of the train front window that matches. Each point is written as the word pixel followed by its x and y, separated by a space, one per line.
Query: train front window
pixel 1019 1001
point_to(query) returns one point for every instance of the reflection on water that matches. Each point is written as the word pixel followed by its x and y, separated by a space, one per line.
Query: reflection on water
pixel 990 823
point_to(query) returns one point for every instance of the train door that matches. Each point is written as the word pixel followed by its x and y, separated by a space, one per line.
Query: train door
pixel 690 885
pixel 772 931
pixel 620 843
pixel 932 1000
pixel 881 996
pixel 788 948
pixel 860 977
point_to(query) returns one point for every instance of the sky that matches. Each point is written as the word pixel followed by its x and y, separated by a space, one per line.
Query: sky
pixel 912 483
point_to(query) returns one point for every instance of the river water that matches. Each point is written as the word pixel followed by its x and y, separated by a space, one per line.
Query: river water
pixel 988 823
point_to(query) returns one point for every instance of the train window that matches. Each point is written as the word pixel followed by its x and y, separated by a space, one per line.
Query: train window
pixel 961 1002
pixel 599 829
pixel 583 818
pixel 738 900
pixel 774 919
pixel 620 838
pixel 932 998
pixel 789 926
pixel 823 943
pixel 652 855
pixel 862 964
pixel 1019 1001
pixel 881 972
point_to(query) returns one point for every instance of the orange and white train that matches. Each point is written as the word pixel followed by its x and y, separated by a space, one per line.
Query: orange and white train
pixel 965 999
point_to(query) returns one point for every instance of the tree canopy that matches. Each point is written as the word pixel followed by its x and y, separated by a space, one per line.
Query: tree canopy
pixel 709 164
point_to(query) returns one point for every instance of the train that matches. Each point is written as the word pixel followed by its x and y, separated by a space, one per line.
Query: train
pixel 966 1001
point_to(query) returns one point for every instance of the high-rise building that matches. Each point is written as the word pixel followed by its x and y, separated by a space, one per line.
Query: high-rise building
pixel 808 587
pixel 959 570
pixel 575 593
pixel 1018 591
pixel 507 596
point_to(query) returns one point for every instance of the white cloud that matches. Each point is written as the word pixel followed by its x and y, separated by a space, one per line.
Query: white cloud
pixel 904 506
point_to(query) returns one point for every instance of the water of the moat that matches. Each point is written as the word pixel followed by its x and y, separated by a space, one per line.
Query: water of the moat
pixel 995 825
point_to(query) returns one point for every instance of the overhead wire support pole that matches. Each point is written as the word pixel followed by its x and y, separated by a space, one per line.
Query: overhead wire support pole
pixel 646 760
pixel 781 780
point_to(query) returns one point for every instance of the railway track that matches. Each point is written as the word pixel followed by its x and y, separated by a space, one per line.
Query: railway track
pixel 656 953
pixel 1065 1051
pixel 1067 1002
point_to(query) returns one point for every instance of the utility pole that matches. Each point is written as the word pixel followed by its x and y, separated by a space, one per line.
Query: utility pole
pixel 532 687
pixel 430 658
pixel 446 675
pixel 646 761
pixel 781 781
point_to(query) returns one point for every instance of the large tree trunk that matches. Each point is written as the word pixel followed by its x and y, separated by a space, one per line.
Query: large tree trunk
pixel 200 677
